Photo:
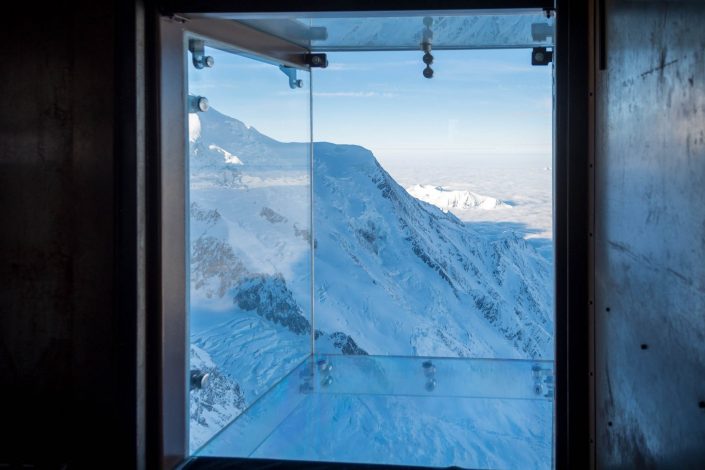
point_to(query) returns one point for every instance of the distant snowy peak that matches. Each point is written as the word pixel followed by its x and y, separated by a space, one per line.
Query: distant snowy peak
pixel 446 199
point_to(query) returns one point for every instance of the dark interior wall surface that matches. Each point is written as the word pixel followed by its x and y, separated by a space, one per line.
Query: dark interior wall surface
pixel 60 358
pixel 650 237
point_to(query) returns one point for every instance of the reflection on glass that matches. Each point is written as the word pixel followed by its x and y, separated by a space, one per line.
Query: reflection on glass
pixel 250 239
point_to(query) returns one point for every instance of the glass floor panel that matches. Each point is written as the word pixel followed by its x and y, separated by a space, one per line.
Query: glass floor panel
pixel 471 413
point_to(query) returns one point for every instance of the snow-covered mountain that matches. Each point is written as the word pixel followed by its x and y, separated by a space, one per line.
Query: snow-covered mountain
pixel 402 277
pixel 447 199
pixel 214 406
pixel 393 274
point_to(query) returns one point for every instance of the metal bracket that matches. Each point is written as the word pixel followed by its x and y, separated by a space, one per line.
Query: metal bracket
pixel 199 57
pixel 317 60
pixel 197 104
pixel 541 31
pixel 541 56
pixel 290 72
pixel 426 45
pixel 544 384
pixel 198 379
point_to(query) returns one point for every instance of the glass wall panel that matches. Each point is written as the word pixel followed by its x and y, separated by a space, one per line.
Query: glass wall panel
pixel 434 232
pixel 250 233
pixel 424 209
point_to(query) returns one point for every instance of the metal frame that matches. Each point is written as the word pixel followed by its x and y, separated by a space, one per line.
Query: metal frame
pixel 254 7
pixel 167 359
pixel 173 202
pixel 571 210
pixel 249 40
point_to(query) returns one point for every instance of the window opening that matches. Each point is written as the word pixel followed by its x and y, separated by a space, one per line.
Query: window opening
pixel 383 291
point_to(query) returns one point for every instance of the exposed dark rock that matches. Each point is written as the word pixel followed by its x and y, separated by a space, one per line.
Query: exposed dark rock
pixel 269 296
pixel 346 344
pixel 272 216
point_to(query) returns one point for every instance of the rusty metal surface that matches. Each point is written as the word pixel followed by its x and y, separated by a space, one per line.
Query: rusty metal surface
pixel 650 237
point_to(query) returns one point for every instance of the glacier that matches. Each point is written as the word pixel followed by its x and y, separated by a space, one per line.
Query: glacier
pixel 393 275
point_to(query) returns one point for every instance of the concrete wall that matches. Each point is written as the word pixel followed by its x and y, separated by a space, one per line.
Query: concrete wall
pixel 59 343
pixel 650 237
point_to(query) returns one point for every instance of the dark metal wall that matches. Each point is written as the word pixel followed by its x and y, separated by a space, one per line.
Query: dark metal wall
pixel 650 237
pixel 65 385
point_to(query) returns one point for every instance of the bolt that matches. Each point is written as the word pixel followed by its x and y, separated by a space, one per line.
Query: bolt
pixel 428 72
pixel 208 61
pixel 199 379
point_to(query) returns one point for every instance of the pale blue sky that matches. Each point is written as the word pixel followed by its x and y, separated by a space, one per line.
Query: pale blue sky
pixel 484 103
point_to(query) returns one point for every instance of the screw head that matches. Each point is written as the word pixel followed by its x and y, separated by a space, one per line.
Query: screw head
pixel 428 72
pixel 209 61
pixel 427 59
pixel 203 104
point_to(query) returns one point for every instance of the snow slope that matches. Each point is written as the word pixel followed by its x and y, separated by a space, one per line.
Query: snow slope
pixel 402 277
